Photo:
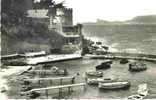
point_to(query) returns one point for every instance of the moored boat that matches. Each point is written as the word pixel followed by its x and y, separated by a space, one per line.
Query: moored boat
pixel 104 65
pixel 96 81
pixel 137 66
pixel 124 61
pixel 114 85
pixel 58 71
pixel 94 73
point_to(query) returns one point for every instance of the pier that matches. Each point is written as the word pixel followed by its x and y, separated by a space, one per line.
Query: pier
pixel 60 87
pixel 143 57
pixel 72 78
pixel 12 56
pixel 47 72
pixel 52 58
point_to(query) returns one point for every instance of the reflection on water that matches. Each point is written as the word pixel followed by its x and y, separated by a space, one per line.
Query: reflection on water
pixel 117 70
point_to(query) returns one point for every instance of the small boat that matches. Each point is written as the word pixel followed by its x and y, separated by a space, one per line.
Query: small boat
pixel 94 73
pixel 58 71
pixel 96 81
pixel 124 61
pixel 137 66
pixel 114 85
pixel 141 93
pixel 135 97
pixel 142 90
pixel 54 69
pixel 104 65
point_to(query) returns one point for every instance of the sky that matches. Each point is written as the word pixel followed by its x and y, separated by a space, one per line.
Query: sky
pixel 110 10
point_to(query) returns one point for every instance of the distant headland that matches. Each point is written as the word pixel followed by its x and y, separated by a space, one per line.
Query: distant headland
pixel 145 19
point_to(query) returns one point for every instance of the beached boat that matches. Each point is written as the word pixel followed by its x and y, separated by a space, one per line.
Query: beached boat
pixel 124 61
pixel 142 90
pixel 94 73
pixel 96 81
pixel 141 93
pixel 135 97
pixel 137 66
pixel 104 65
pixel 114 85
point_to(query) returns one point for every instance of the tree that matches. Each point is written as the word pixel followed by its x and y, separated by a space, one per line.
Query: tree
pixel 44 4
pixel 13 11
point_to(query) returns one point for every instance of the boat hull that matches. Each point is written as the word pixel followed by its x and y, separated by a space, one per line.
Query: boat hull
pixel 124 61
pixel 95 73
pixel 100 80
pixel 137 67
pixel 103 67
pixel 115 86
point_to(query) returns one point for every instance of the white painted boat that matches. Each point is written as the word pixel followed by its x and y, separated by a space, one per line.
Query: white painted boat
pixel 114 85
pixel 141 93
pixel 135 97
pixel 96 81
pixel 142 90
pixel 94 73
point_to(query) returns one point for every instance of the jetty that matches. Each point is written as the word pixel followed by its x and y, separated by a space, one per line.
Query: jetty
pixel 143 57
pixel 12 56
pixel 35 54
pixel 60 87
pixel 52 58
pixel 72 78
pixel 48 72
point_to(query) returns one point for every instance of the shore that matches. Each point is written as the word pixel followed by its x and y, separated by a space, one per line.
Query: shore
pixel 12 70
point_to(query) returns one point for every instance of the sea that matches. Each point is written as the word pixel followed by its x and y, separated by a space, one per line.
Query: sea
pixel 79 67
pixel 127 38
pixel 132 38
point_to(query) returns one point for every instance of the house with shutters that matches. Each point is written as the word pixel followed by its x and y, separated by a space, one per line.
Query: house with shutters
pixel 60 21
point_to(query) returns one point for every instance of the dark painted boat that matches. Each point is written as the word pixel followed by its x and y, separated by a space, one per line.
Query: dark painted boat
pixel 124 61
pixel 137 66
pixel 104 65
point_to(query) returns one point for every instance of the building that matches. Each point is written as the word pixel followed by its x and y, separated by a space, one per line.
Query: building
pixel 59 20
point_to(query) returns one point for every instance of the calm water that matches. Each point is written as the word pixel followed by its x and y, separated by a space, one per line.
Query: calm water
pixel 129 38
pixel 117 70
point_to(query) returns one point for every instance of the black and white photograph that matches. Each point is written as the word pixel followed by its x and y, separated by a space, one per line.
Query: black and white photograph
pixel 78 49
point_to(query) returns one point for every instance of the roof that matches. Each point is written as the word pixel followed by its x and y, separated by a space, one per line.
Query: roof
pixel 38 13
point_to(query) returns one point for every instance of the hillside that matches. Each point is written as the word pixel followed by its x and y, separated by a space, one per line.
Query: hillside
pixel 134 36
pixel 144 19
pixel 19 36
pixel 148 19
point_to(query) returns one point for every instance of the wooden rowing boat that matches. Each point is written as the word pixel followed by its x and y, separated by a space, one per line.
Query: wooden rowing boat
pixel 114 85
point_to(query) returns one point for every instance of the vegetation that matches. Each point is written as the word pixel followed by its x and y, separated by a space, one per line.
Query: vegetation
pixel 46 4
pixel 19 34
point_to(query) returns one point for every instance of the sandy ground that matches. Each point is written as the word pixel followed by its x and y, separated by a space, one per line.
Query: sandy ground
pixel 8 72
